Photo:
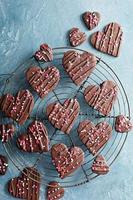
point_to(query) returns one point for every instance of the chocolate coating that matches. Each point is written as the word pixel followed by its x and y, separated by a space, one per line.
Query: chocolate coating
pixel 63 116
pixel 66 160
pixel 6 132
pixel 18 108
pixel 3 165
pixel 44 54
pixel 100 166
pixel 27 186
pixel 94 137
pixel 44 80
pixel 36 138
pixel 79 66
pixel 102 97
pixel 91 19
pixel 108 41
pixel 54 191
pixel 76 37
pixel 123 124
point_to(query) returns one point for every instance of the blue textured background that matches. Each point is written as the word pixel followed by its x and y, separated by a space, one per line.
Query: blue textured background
pixel 24 24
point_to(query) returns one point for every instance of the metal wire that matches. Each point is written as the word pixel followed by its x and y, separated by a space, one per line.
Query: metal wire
pixel 65 89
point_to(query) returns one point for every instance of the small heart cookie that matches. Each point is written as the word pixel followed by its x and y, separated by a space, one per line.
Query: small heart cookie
pixel 54 191
pixel 19 107
pixel 66 160
pixel 6 132
pixel 63 116
pixel 94 137
pixel 36 138
pixel 27 186
pixel 76 37
pixel 100 166
pixel 102 97
pixel 3 165
pixel 45 54
pixel 79 66
pixel 44 80
pixel 123 124
pixel 91 19
pixel 108 41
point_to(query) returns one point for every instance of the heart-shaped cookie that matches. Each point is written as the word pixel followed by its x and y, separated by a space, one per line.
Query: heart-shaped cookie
pixel 27 186
pixel 18 108
pixel 66 160
pixel 63 116
pixel 44 80
pixel 94 137
pixel 100 165
pixel 6 132
pixel 3 165
pixel 102 97
pixel 76 37
pixel 54 191
pixel 36 138
pixel 45 54
pixel 108 41
pixel 79 66
pixel 123 124
pixel 91 19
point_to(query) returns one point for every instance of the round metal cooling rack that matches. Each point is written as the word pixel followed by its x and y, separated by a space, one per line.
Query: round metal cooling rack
pixel 66 89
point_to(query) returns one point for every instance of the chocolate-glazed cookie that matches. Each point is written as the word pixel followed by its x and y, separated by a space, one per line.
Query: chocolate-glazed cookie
pixel 66 160
pixel 63 116
pixel 3 165
pixel 94 137
pixel 102 97
pixel 6 132
pixel 123 124
pixel 108 41
pixel 44 54
pixel 54 191
pixel 91 19
pixel 79 66
pixel 76 37
pixel 27 186
pixel 44 80
pixel 36 138
pixel 100 165
pixel 19 107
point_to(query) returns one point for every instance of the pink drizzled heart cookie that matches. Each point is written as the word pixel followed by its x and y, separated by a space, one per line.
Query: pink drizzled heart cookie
pixel 100 165
pixel 79 66
pixel 66 160
pixel 3 165
pixel 94 137
pixel 123 124
pixel 19 107
pixel 63 116
pixel 27 186
pixel 54 191
pixel 44 80
pixel 45 54
pixel 108 41
pixel 6 132
pixel 102 97
pixel 76 37
pixel 36 138
pixel 91 19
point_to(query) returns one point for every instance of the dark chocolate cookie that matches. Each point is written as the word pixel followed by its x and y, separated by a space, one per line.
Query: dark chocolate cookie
pixel 108 41
pixel 27 186
pixel 91 19
pixel 79 66
pixel 100 165
pixel 76 37
pixel 3 165
pixel 102 97
pixel 6 132
pixel 19 107
pixel 66 160
pixel 45 54
pixel 63 116
pixel 54 191
pixel 36 138
pixel 123 124
pixel 94 137
pixel 44 80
